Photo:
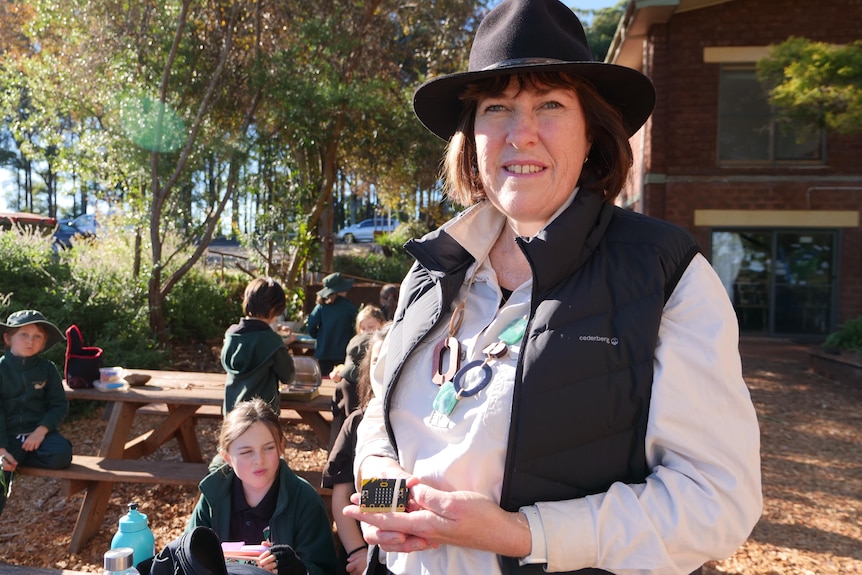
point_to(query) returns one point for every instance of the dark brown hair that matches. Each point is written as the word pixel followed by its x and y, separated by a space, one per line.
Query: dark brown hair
pixel 610 157
pixel 263 297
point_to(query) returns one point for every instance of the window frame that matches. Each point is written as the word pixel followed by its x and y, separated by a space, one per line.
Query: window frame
pixel 773 131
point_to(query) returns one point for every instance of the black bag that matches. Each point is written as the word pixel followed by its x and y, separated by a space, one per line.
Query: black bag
pixel 82 363
pixel 197 552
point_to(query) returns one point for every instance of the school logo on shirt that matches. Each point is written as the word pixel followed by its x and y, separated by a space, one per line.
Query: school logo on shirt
pixel 39 384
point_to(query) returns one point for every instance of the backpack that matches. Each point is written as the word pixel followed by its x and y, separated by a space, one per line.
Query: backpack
pixel 197 552
pixel 82 363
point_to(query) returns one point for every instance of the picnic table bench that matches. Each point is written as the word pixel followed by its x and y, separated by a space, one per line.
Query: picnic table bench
pixel 176 397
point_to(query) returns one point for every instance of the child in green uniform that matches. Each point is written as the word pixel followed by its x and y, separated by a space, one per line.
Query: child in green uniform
pixel 254 356
pixel 32 400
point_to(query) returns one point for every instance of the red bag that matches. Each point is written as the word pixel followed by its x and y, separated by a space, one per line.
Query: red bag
pixel 82 363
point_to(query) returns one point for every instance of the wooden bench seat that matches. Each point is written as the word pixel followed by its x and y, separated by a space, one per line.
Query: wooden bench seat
pixel 87 468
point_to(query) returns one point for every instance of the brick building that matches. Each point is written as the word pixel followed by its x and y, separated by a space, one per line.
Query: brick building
pixel 777 216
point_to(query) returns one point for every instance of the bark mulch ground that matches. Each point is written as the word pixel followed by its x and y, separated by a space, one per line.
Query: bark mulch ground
pixel 812 478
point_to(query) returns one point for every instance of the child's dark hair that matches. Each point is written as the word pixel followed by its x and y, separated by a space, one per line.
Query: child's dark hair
pixel 263 297
pixel 243 416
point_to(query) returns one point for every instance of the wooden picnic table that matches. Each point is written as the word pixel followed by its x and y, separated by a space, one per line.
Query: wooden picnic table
pixel 186 395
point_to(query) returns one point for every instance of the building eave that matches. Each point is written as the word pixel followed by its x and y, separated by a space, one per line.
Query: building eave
pixel 626 48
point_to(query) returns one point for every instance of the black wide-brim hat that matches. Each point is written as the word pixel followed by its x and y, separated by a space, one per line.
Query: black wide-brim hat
pixel 522 36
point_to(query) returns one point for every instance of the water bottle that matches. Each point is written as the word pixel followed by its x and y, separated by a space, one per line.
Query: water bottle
pixel 135 533
pixel 119 562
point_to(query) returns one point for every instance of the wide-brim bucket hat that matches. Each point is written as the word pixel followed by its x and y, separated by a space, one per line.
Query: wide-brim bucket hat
pixel 521 36
pixel 335 283
pixel 31 316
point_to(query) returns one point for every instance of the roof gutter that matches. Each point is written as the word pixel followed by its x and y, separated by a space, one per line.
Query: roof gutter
pixel 627 45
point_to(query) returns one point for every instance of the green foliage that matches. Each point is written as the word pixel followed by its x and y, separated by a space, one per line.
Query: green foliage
pixel 200 308
pixel 601 29
pixel 374 266
pixel 848 337
pixel 93 286
pixel 815 84
pixel 401 234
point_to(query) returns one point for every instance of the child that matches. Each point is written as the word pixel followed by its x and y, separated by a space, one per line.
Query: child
pixel 331 321
pixel 344 401
pixel 338 473
pixel 256 497
pixel 32 400
pixel 254 356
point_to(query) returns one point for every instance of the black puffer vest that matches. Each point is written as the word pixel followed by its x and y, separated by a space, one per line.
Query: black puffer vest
pixel 601 277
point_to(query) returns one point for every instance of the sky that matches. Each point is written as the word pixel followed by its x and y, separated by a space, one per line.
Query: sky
pixel 6 181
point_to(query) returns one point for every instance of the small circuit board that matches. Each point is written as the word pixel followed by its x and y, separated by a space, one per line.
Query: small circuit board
pixel 382 495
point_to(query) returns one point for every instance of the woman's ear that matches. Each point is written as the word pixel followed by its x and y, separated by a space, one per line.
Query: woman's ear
pixel 226 457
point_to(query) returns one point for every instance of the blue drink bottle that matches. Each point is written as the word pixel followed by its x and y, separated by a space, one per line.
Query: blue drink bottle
pixel 134 532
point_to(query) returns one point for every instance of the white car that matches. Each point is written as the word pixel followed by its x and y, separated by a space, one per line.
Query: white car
pixel 365 230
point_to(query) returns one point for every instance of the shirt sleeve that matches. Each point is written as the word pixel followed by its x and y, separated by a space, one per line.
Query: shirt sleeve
pixel 703 495
pixel 283 365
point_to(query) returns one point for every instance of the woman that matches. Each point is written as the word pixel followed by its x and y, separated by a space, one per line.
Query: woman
pixel 598 421
pixel 257 498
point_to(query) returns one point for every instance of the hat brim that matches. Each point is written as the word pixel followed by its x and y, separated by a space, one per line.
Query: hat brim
pixel 344 285
pixel 437 105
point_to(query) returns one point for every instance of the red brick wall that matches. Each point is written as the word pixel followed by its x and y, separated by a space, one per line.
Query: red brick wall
pixel 682 132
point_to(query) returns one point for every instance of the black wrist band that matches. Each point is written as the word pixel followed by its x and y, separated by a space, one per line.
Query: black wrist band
pixel 358 549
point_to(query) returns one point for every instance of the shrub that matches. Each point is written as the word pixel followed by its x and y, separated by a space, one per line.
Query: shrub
pixel 200 308
pixel 848 337
pixel 379 267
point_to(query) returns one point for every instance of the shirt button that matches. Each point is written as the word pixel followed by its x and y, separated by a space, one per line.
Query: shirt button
pixel 247 523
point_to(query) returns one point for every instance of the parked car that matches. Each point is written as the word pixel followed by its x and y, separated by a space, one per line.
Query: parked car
pixel 26 219
pixel 84 225
pixel 365 230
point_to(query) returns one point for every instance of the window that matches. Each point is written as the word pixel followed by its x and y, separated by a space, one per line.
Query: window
pixel 747 130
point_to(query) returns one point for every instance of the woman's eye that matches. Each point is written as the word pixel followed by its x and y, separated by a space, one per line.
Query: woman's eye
pixel 493 108
pixel 553 105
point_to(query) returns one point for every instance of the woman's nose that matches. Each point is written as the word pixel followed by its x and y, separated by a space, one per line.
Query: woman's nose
pixel 523 130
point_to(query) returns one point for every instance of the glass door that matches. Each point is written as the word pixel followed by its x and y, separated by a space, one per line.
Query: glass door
pixel 780 282
pixel 804 275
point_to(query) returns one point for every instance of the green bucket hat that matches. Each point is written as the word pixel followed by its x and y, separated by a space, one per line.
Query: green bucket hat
pixel 335 283
pixel 30 316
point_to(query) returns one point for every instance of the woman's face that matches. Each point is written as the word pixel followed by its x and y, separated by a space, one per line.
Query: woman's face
pixel 27 340
pixel 254 456
pixel 530 146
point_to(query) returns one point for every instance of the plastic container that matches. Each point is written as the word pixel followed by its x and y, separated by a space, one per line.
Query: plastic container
pixel 111 374
pixel 134 532
pixel 119 562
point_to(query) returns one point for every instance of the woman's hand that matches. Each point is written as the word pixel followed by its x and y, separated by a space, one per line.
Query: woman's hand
pixel 434 518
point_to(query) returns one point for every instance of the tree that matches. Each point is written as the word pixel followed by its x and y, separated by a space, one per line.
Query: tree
pixel 181 109
pixel 815 85
pixel 602 27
